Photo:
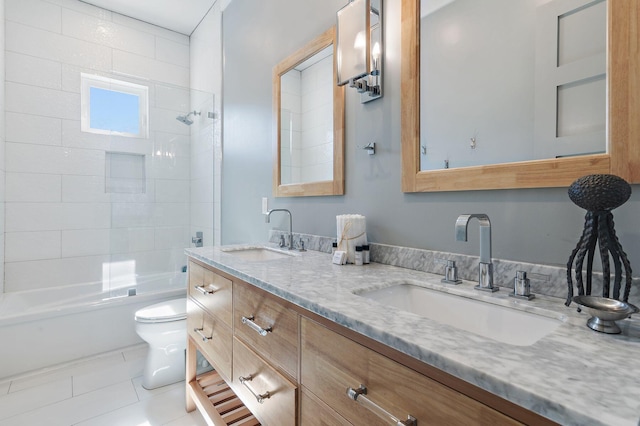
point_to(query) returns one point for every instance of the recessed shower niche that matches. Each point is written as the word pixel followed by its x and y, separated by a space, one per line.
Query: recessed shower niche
pixel 125 173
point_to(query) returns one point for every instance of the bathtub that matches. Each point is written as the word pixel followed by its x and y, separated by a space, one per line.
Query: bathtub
pixel 42 328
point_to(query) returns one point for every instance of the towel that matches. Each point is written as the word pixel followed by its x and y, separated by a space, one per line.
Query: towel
pixel 352 232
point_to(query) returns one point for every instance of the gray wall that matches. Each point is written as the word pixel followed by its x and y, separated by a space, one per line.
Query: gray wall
pixel 538 226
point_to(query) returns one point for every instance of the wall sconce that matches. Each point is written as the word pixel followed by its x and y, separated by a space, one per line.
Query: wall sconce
pixel 359 47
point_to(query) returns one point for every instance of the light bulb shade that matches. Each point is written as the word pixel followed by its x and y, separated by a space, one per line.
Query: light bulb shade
pixel 353 41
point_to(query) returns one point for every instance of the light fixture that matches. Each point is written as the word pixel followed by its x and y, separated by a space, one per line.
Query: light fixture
pixel 359 47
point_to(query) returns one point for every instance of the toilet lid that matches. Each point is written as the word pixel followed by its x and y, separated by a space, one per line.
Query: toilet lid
pixel 171 310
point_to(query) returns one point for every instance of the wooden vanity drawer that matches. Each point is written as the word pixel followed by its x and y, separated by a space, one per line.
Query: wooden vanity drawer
pixel 332 363
pixel 316 413
pixel 265 312
pixel 212 337
pixel 212 291
pixel 277 406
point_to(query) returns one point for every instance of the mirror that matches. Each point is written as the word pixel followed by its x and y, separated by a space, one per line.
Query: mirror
pixel 308 111
pixel 621 131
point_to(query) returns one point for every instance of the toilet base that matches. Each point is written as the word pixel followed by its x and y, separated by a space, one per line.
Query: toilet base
pixel 164 366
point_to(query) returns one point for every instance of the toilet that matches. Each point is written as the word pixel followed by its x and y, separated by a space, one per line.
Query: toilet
pixel 164 326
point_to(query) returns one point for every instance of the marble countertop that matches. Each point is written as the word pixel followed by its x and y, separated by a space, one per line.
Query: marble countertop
pixel 574 376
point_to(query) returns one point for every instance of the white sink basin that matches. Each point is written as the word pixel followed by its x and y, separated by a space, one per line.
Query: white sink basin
pixel 496 322
pixel 257 253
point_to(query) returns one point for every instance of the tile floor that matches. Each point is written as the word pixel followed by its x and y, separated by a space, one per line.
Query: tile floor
pixel 104 390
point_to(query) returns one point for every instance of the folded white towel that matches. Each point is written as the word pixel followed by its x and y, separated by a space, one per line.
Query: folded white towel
pixel 352 232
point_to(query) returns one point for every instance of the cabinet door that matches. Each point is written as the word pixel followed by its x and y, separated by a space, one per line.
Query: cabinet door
pixel 332 363
pixel 267 393
pixel 280 344
pixel 212 291
pixel 213 338
pixel 316 413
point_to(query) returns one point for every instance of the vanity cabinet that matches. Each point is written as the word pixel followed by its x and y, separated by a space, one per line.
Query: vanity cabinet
pixel 266 392
pixel 267 325
pixel 331 364
pixel 215 339
pixel 287 366
pixel 212 291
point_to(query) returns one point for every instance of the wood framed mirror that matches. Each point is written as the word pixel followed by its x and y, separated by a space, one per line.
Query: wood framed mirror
pixel 622 156
pixel 308 114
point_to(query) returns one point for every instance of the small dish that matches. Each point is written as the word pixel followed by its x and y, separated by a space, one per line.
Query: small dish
pixel 605 312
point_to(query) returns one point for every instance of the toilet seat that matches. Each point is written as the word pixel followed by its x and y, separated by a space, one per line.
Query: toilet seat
pixel 171 310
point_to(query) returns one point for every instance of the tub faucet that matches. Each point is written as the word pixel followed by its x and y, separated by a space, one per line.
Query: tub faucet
pixel 268 220
pixel 485 269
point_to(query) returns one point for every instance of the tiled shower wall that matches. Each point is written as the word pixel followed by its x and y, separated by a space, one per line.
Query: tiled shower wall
pixel 206 135
pixel 61 227
pixel 2 144
pixel 306 125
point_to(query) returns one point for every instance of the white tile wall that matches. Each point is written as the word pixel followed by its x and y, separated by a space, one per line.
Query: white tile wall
pixel 173 191
pixel 131 240
pixel 106 33
pixel 21 246
pixel 316 153
pixel 62 228
pixel 206 140
pixel 56 47
pixel 35 13
pixel 20 128
pixel 85 242
pixel 41 101
pixel 172 52
pixel 33 187
pixel 34 71
pixel 2 141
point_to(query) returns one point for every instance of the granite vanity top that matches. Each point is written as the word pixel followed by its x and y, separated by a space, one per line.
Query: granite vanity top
pixel 574 376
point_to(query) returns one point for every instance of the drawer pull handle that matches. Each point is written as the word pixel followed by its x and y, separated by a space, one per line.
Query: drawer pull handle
pixel 358 395
pixel 201 334
pixel 259 397
pixel 202 290
pixel 255 327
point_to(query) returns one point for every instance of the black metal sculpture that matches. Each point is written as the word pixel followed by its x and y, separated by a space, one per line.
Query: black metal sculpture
pixel 599 194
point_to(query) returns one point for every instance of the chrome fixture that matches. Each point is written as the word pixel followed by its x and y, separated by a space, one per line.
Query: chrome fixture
pixel 359 47
pixel 268 220
pixel 259 397
pixel 185 118
pixel 358 395
pixel 370 148
pixel 197 240
pixel 249 321
pixel 521 286
pixel 451 273
pixel 485 269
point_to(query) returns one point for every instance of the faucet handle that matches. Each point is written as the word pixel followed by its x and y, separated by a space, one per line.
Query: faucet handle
pixel 282 242
pixel 451 273
pixel 521 286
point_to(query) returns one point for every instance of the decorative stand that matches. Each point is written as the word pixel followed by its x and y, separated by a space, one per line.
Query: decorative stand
pixel 599 194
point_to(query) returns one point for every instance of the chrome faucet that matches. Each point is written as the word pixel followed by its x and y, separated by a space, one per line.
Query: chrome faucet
pixel 268 220
pixel 485 269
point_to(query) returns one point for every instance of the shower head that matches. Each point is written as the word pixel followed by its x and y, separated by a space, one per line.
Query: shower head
pixel 185 118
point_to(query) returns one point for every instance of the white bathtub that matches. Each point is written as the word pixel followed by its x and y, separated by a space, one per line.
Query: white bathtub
pixel 41 328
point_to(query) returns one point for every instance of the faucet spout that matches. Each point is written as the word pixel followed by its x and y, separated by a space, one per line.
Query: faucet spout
pixel 485 272
pixel 485 233
pixel 267 220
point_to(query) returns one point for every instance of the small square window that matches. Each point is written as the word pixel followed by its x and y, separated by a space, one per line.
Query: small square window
pixel 114 107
